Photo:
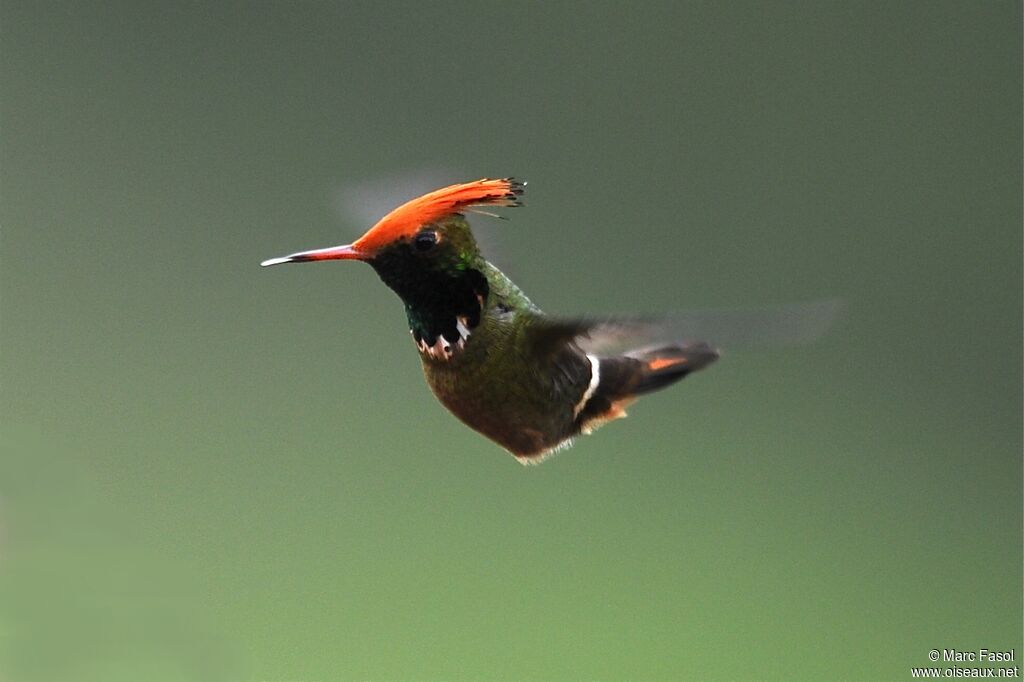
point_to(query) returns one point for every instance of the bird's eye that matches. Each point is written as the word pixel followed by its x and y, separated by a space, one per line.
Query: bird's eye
pixel 425 240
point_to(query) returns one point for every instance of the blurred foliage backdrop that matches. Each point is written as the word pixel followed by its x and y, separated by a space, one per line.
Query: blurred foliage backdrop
pixel 212 471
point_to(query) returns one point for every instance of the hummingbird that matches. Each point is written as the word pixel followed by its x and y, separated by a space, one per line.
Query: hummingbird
pixel 528 381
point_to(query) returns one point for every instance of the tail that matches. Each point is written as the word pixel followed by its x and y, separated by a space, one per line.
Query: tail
pixel 622 379
pixel 654 368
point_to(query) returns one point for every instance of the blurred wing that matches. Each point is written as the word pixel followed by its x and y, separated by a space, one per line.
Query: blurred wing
pixel 784 325
pixel 790 324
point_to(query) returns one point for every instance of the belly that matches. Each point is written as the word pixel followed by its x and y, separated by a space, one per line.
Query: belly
pixel 524 406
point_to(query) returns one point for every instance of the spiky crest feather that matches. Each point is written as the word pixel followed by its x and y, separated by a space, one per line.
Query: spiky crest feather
pixel 410 216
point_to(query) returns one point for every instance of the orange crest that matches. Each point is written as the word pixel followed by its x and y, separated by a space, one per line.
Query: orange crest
pixel 409 217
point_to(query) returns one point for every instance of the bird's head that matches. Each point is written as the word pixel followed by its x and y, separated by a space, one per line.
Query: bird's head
pixel 425 252
pixel 423 243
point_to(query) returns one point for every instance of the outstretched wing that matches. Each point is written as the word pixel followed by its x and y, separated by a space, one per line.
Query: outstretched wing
pixel 791 324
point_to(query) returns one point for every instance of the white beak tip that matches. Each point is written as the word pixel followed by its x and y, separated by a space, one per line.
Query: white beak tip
pixel 275 261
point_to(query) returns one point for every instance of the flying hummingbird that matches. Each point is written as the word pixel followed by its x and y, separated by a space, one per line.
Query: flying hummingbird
pixel 527 381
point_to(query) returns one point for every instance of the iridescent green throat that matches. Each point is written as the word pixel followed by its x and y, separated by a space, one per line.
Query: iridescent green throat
pixel 438 294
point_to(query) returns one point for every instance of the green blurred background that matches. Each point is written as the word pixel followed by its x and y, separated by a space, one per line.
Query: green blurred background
pixel 212 471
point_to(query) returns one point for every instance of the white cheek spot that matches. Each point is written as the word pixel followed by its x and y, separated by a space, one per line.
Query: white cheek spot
pixel 461 326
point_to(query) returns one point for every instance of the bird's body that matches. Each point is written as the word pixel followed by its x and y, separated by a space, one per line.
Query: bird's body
pixel 527 381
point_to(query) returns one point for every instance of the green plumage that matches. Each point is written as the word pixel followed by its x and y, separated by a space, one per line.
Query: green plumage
pixel 520 378
pixel 526 381
pixel 502 386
